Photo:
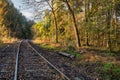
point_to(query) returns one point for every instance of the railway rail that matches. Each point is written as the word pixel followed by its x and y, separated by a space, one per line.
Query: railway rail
pixel 24 62
pixel 49 63
pixel 35 67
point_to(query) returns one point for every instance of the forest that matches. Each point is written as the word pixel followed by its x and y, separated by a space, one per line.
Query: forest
pixel 87 29
pixel 70 23
pixel 73 26
pixel 12 23
pixel 79 23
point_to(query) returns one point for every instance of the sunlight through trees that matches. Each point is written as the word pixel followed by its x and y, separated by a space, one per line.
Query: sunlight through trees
pixel 84 23
pixel 12 22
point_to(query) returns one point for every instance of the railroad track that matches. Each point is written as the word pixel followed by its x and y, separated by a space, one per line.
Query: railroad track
pixel 33 66
pixel 24 62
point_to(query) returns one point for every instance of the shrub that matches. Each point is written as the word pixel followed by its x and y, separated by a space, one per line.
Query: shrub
pixel 111 71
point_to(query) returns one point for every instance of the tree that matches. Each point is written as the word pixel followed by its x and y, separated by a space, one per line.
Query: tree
pixel 81 22
pixel 13 23
pixel 74 22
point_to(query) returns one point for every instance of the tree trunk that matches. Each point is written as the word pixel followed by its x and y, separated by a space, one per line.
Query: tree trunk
pixel 75 24
pixel 87 9
pixel 76 31
pixel 87 39
pixel 56 27
pixel 55 21
pixel 115 14
pixel 108 20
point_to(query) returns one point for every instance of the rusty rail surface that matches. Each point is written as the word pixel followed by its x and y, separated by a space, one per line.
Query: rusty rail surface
pixel 16 64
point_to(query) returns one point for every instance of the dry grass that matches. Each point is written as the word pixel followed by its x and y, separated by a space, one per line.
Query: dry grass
pixel 8 40
pixel 38 41
pixel 94 56
pixel 88 56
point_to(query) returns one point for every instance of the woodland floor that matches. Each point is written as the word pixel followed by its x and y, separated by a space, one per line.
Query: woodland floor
pixel 91 64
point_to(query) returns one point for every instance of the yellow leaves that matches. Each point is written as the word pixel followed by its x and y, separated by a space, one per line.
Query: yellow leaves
pixel 3 3
pixel 3 6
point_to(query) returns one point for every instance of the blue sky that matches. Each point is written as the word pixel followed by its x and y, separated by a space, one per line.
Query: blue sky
pixel 26 12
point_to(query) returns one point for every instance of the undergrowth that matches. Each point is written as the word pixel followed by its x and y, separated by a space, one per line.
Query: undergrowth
pixel 47 46
pixel 111 71
pixel 76 54
pixel 108 70
pixel 111 54
pixel 71 50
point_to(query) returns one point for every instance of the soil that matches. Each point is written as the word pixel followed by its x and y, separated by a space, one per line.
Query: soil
pixel 88 68
pixel 33 67
pixel 7 61
pixel 64 64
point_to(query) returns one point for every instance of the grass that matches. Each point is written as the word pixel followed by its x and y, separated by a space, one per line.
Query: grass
pixel 3 44
pixel 6 41
pixel 76 54
pixel 50 47
pixel 71 50
pixel 111 71
pixel 105 51
pixel 107 66
pixel 68 50
pixel 111 54
pixel 47 46
pixel 108 70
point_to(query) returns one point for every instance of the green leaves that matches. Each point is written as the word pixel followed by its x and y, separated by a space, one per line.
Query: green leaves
pixel 111 71
pixel 97 23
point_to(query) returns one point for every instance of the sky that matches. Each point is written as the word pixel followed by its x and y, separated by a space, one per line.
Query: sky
pixel 29 13
pixel 26 12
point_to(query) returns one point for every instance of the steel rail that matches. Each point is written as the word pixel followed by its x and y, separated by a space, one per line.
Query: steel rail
pixel 16 64
pixel 49 62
